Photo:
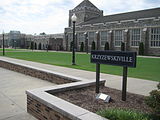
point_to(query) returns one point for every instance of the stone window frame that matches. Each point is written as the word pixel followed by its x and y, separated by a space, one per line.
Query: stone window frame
pixel 106 40
pixel 89 41
pixel 155 35
pixel 119 40
pixel 135 36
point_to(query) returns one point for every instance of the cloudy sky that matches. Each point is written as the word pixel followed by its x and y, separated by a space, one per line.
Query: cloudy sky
pixel 51 16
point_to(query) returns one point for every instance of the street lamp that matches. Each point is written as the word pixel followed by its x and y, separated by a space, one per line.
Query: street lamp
pixel 3 44
pixel 73 18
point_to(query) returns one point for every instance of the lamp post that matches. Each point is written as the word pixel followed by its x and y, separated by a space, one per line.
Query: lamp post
pixel 3 44
pixel 74 18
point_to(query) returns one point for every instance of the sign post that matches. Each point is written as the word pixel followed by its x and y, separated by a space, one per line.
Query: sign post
pixel 97 77
pixel 124 85
pixel 117 58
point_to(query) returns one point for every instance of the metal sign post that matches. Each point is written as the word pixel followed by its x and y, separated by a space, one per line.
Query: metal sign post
pixel 124 85
pixel 97 77
pixel 117 58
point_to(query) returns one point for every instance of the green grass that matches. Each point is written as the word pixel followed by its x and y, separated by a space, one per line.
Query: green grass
pixel 147 68
pixel 10 49
pixel 124 114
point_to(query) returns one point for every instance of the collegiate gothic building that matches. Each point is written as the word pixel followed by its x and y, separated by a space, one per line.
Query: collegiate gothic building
pixel 131 28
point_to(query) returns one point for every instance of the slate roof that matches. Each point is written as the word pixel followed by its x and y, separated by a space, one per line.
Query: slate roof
pixel 155 12
pixel 86 3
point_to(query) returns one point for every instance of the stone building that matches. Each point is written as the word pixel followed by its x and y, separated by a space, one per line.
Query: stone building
pixel 131 28
pixel 13 39
pixel 16 39
pixel 41 41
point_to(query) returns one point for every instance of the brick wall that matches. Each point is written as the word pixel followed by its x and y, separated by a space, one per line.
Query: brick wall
pixel 57 79
pixel 42 112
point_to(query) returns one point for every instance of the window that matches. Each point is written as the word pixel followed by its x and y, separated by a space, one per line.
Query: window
pixel 135 37
pixel 103 37
pixel 118 37
pixel 155 37
pixel 91 37
pixel 81 38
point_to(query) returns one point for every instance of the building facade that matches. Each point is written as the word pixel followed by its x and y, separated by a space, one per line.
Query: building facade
pixel 15 39
pixel 131 28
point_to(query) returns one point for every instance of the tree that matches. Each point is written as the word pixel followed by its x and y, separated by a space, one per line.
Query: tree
pixel 43 33
pixel 93 46
pixel 82 47
pixel 106 47
pixel 141 48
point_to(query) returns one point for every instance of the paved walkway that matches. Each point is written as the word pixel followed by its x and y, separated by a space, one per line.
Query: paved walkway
pixel 12 94
pixel 135 85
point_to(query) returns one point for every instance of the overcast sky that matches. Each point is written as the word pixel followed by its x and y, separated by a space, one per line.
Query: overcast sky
pixel 51 16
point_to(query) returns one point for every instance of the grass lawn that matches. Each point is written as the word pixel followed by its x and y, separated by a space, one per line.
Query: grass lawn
pixel 147 68
pixel 10 49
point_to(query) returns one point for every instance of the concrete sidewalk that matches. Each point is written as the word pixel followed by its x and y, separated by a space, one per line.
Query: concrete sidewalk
pixel 12 94
pixel 135 85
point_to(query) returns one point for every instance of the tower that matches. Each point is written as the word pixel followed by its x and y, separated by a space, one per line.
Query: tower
pixel 84 12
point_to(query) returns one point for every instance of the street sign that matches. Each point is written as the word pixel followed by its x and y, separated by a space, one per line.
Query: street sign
pixel 118 58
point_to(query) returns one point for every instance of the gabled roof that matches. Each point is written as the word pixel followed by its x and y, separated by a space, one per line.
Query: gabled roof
pixel 126 16
pixel 86 3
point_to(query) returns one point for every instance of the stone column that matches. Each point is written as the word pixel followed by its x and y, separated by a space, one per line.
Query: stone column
pixel 145 39
pixel 76 42
pixel 126 39
pixel 86 42
pixel 98 40
pixel 110 40
pixel 65 43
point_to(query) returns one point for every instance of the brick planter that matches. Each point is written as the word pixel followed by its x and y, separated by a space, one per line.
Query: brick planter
pixel 45 106
pixel 38 73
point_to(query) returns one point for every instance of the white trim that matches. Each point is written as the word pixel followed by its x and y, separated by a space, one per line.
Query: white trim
pixel 87 25
pixel 146 18
pixel 132 20
pixel 112 22
pixel 98 24
pixel 157 19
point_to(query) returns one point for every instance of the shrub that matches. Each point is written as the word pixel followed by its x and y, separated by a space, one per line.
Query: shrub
pixel 153 100
pixel 106 47
pixel 141 48
pixel 122 114
pixel 82 47
pixel 93 46
pixel 122 46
